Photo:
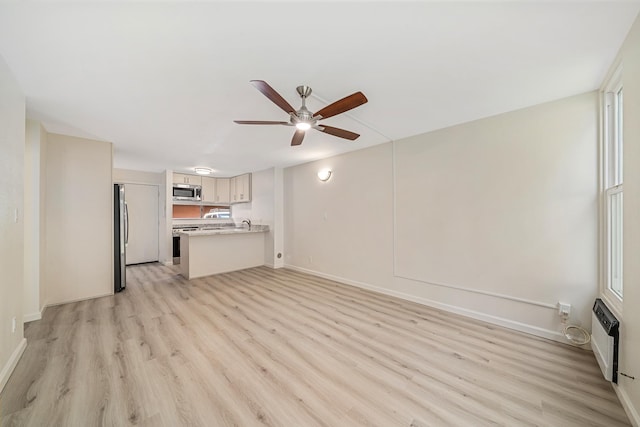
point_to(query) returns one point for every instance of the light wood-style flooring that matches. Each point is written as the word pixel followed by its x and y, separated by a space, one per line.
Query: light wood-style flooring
pixel 264 347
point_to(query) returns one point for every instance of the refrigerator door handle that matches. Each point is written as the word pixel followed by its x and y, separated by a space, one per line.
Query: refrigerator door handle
pixel 126 223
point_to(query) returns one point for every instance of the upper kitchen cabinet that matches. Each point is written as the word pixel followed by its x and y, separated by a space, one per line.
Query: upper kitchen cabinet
pixel 208 189
pixel 232 190
pixel 241 188
pixel 222 190
pixel 182 178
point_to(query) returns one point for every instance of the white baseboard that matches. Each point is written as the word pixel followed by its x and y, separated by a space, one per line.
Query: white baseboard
pixel 32 317
pixel 500 321
pixel 273 265
pixel 627 404
pixel 7 370
pixel 53 304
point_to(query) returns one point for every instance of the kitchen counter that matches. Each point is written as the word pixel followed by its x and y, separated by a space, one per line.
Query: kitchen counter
pixel 213 250
pixel 208 231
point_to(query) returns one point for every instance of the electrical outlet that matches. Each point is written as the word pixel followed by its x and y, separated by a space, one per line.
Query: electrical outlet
pixel 13 325
pixel 564 309
pixel 310 259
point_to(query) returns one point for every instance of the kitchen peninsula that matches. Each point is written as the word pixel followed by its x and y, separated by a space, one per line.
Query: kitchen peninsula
pixel 221 249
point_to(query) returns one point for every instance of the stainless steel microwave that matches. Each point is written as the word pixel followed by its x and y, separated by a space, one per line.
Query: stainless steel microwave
pixel 186 192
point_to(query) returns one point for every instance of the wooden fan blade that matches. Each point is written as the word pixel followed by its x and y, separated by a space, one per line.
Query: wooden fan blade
pixel 342 105
pixel 297 138
pixel 259 122
pixel 274 96
pixel 338 132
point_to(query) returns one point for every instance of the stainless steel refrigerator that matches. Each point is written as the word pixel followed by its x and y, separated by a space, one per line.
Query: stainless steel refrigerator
pixel 120 237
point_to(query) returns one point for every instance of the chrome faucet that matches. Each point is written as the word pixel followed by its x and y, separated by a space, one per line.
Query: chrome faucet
pixel 248 221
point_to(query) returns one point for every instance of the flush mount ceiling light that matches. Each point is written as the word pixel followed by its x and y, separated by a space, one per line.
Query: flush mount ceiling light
pixel 324 174
pixel 203 171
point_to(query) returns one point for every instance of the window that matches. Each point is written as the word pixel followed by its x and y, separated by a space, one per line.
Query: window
pixel 612 168
pixel 614 240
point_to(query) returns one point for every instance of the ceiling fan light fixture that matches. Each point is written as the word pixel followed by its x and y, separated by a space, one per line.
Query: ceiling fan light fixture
pixel 203 171
pixel 303 126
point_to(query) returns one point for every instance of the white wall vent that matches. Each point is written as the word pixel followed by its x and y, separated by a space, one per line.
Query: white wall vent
pixel 604 339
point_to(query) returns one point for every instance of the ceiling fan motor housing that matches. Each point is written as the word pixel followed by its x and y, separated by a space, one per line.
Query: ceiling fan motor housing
pixel 304 115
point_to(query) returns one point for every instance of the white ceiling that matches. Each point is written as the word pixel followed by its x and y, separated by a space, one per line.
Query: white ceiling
pixel 164 81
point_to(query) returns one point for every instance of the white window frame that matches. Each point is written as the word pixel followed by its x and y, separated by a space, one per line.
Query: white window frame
pixel 611 182
pixel 610 250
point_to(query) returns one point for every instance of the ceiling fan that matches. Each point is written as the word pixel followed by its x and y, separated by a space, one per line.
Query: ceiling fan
pixel 304 119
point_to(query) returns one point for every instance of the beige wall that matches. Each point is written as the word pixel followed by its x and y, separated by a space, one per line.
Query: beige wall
pixel 34 219
pixel 505 206
pixel 123 176
pixel 43 218
pixel 630 324
pixel 262 210
pixel 494 219
pixel 78 206
pixel 342 227
pixel 12 134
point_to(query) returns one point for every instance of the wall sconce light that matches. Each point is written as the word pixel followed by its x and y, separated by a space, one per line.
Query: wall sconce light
pixel 324 174
pixel 203 171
